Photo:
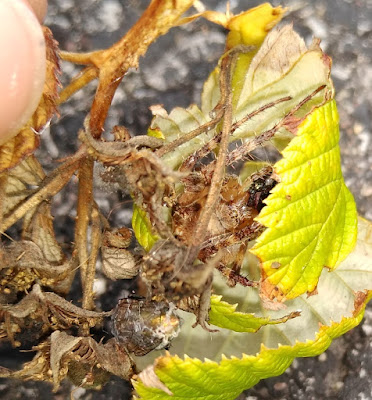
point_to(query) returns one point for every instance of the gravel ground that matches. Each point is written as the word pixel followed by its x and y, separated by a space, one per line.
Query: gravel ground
pixel 172 73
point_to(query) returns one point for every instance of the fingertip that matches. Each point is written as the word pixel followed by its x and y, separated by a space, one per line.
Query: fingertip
pixel 22 69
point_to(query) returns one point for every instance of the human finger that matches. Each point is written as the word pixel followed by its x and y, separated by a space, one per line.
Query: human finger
pixel 22 68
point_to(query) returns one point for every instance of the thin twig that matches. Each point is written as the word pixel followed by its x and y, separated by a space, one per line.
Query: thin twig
pixel 191 135
pixel 114 63
pixel 86 76
pixel 265 107
pixel 88 295
pixel 84 210
pixel 190 161
pixel 217 179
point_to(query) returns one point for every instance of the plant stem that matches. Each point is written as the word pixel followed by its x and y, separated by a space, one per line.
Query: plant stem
pixel 86 76
pixel 90 273
pixel 84 209
pixel 219 171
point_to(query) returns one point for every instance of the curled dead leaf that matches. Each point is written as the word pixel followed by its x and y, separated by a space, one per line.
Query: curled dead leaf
pixel 41 232
pixel 117 262
pixel 19 182
pixel 27 140
pixel 16 149
pixel 85 361
pixel 48 102
pixel 36 369
pixel 23 263
pixel 39 312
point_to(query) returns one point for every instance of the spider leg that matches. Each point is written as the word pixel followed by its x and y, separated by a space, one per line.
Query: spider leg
pixel 232 273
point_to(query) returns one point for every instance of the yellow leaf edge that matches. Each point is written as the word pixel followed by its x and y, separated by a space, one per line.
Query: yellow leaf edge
pixel 244 372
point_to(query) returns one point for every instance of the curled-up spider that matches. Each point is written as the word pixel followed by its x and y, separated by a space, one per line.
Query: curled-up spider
pixel 141 326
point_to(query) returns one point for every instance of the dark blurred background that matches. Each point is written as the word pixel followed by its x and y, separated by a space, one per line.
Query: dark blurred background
pixel 172 73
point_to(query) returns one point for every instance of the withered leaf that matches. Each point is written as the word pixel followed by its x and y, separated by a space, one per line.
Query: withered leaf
pixel 112 358
pixel 37 369
pixel 27 140
pixel 19 183
pixel 40 312
pixel 117 262
pixel 16 149
pixel 48 102
pixel 67 350
pixel 41 232
pixel 24 263
pixel 61 344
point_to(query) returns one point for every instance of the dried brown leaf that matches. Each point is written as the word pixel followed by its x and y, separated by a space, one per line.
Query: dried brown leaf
pixel 27 140
pixel 39 312
pixel 48 102
pixel 85 361
pixel 114 359
pixel 41 232
pixel 117 262
pixel 51 185
pixel 16 149
pixel 24 263
pixel 36 369
pixel 61 344
pixel 17 184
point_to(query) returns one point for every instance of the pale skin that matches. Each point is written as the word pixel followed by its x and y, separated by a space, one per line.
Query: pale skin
pixel 22 67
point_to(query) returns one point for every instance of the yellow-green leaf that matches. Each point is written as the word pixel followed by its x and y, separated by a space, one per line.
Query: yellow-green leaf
pixel 179 122
pixel 250 28
pixel 276 72
pixel 224 315
pixel 142 228
pixel 235 361
pixel 192 378
pixel 310 216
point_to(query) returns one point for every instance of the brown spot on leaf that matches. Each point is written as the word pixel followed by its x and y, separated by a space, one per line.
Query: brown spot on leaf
pixel 312 293
pixel 269 292
pixel 359 302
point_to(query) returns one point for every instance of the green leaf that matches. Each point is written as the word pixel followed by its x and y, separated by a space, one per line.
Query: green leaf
pixel 236 361
pixel 179 122
pixel 191 378
pixel 142 228
pixel 224 315
pixel 276 71
pixel 310 216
